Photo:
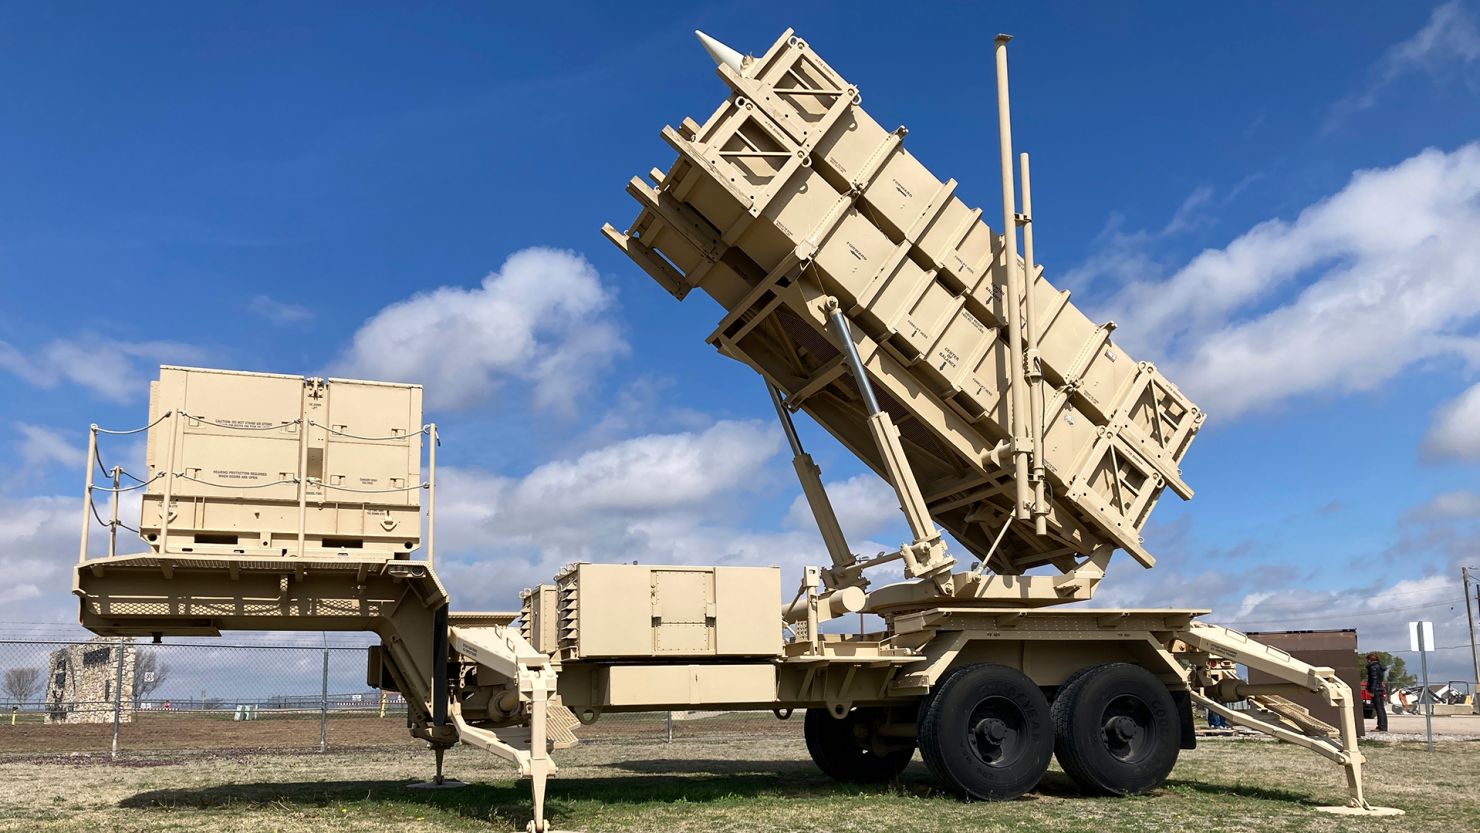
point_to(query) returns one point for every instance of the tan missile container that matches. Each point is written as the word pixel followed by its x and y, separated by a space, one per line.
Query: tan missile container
pixel 275 465
pixel 790 193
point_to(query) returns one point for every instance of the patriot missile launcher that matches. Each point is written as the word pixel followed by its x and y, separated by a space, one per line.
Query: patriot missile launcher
pixel 871 298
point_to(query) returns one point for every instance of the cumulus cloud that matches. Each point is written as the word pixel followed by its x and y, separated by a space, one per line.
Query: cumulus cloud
pixel 543 318
pixel 865 505
pixel 1376 295
pixel 278 312
pixel 678 498
pixel 630 479
pixel 107 367
pixel 38 544
pixel 1454 432
pixel 40 446
pixel 1445 49
pixel 39 537
pixel 1458 504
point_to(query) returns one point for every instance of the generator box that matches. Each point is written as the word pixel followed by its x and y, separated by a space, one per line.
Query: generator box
pixel 271 464
pixel 611 611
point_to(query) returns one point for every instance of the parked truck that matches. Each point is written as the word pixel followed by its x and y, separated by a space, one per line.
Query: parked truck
pixel 871 298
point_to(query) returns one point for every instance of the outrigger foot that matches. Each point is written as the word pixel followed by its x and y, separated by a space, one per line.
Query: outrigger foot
pixel 439 781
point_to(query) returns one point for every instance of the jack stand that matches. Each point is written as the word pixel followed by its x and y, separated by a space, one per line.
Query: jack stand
pixel 439 781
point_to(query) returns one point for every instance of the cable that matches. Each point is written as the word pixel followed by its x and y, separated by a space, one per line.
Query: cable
pixel 141 484
pixel 162 418
pixel 317 482
pixel 1340 614
pixel 108 524
pixel 424 429
pixel 1305 603
pixel 234 484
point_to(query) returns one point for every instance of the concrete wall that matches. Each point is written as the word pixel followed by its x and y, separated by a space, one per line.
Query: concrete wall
pixel 81 682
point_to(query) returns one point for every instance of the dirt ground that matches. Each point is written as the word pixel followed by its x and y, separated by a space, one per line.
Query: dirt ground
pixel 218 733
pixel 754 780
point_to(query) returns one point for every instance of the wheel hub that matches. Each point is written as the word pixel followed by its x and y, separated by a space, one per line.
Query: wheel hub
pixel 991 731
pixel 1122 728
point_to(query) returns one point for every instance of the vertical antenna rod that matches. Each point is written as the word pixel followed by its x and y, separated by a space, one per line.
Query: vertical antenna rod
pixel 1014 300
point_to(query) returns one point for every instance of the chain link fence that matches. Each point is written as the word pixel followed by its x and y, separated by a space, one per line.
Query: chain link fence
pixel 120 695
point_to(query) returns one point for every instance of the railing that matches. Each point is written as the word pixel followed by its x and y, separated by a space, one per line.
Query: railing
pixel 168 474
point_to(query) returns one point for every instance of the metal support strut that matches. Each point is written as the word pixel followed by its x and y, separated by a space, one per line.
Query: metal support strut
pixel 845 571
pixel 925 557
pixel 1235 647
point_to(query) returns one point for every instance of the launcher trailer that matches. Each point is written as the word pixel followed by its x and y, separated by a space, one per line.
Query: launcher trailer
pixel 868 296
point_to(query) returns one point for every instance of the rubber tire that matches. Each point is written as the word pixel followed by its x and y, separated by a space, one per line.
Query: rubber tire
pixel 837 749
pixel 945 733
pixel 1080 741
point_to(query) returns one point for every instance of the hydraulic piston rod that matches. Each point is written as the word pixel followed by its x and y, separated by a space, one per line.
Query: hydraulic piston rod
pixel 926 555
pixel 810 476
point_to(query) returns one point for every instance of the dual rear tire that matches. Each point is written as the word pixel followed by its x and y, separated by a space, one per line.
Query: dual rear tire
pixel 852 749
pixel 987 732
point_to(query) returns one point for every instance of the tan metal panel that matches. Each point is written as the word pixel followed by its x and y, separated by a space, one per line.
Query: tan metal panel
pixel 740 596
pixel 630 610
pixel 688 685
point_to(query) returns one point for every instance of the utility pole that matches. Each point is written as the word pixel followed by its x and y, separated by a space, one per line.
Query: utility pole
pixel 1464 576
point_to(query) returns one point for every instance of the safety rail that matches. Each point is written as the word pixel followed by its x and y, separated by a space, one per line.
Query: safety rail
pixel 169 475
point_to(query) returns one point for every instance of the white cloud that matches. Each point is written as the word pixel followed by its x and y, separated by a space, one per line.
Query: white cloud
pixel 1455 505
pixel 39 538
pixel 622 483
pixel 1447 47
pixel 543 318
pixel 104 366
pixel 38 545
pixel 865 505
pixel 279 312
pixel 1387 267
pixel 1455 429
pixel 679 498
pixel 39 446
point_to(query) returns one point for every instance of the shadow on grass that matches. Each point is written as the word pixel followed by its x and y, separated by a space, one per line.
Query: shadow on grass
pixel 661 781
pixel 716 782
pixel 1243 791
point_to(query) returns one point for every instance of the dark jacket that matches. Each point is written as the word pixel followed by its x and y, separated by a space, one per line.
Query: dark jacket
pixel 1376 677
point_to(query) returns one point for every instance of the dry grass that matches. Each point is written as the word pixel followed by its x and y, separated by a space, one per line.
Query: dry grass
pixel 735 782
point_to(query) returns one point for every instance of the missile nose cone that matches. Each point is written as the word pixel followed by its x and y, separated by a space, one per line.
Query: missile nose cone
pixel 721 54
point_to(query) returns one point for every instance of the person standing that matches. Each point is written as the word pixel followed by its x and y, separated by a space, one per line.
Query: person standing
pixel 1377 687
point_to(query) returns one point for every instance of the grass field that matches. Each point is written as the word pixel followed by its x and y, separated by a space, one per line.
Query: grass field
pixel 759 781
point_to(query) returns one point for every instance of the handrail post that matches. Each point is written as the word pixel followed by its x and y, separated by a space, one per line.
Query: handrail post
pixel 169 482
pixel 305 425
pixel 113 516
pixel 432 495
pixel 87 490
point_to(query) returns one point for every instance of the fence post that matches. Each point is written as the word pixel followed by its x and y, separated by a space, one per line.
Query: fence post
pixel 117 694
pixel 670 727
pixel 324 706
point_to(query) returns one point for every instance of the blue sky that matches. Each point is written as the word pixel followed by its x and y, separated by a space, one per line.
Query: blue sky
pixel 1279 203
